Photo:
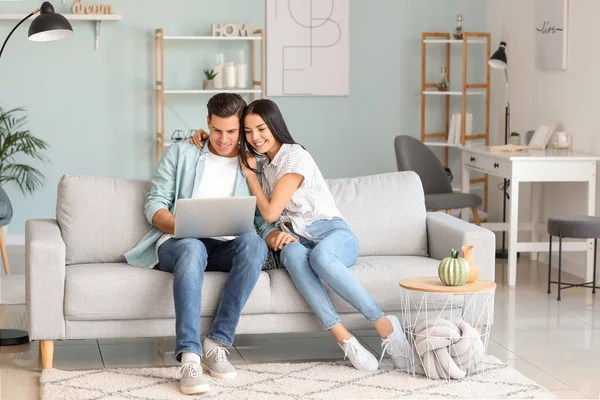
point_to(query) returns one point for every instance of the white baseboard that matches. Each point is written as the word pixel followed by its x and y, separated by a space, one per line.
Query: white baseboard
pixel 15 239
pixel 578 269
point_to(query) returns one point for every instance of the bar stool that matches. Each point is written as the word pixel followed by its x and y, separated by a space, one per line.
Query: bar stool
pixel 578 227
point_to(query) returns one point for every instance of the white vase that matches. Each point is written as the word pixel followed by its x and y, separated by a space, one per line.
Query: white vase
pixel 516 140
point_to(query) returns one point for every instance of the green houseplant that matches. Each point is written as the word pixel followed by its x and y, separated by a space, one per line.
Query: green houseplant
pixel 209 83
pixel 515 138
pixel 15 142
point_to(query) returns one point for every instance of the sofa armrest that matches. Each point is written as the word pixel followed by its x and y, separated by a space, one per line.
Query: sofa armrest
pixel 445 232
pixel 45 272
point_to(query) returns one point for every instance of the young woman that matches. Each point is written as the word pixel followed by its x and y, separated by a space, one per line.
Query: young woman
pixel 315 241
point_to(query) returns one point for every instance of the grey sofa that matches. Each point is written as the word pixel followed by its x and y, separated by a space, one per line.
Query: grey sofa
pixel 79 286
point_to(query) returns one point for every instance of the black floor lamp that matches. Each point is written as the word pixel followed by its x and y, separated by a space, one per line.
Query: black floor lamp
pixel 47 26
pixel 499 61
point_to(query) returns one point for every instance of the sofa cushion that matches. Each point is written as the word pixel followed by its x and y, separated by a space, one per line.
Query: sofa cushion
pixel 386 212
pixel 116 291
pixel 379 275
pixel 100 218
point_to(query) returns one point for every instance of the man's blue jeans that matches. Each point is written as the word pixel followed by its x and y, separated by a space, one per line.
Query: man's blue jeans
pixel 326 256
pixel 243 257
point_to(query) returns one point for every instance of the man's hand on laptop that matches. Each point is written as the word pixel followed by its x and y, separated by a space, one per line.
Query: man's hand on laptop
pixel 279 241
pixel 199 137
pixel 164 220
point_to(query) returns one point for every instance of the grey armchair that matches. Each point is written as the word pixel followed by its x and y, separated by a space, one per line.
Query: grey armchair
pixel 414 155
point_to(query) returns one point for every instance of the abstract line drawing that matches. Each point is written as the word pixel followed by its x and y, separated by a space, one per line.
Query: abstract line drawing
pixel 308 48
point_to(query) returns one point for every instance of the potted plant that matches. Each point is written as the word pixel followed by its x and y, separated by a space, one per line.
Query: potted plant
pixel 209 83
pixel 515 138
pixel 16 142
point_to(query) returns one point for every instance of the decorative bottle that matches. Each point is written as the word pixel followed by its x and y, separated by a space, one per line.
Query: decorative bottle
pixel 230 75
pixel 458 33
pixel 219 71
pixel 242 71
pixel 442 83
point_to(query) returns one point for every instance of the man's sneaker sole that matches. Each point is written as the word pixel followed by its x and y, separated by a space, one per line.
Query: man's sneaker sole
pixel 195 389
pixel 219 375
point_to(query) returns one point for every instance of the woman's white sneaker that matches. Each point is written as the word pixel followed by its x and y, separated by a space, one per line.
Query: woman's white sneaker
pixel 396 345
pixel 360 357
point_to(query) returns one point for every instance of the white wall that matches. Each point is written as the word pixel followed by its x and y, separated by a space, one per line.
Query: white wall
pixel 570 97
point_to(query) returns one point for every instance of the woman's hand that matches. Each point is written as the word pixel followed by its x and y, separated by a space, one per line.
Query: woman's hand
pixel 251 161
pixel 199 137
pixel 281 239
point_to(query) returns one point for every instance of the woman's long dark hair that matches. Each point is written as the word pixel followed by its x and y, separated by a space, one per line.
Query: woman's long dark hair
pixel 270 113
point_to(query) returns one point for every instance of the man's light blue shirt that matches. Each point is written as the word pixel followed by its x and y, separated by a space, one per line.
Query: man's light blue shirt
pixel 178 176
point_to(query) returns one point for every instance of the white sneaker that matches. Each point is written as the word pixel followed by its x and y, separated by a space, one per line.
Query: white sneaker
pixel 396 345
pixel 360 357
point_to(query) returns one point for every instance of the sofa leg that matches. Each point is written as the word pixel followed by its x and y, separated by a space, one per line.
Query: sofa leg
pixel 476 216
pixel 47 350
pixel 3 251
pixel 448 211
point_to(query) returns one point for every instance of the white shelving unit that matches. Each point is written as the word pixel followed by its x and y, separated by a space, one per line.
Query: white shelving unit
pixel 97 18
pixel 200 91
pixel 213 38
pixel 161 91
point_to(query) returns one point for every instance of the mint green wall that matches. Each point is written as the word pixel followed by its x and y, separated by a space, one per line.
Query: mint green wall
pixel 96 108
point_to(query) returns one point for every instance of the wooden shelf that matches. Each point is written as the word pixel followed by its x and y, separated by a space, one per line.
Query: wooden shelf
pixel 451 93
pixel 200 91
pixel 70 17
pixel 441 144
pixel 457 41
pixel 97 18
pixel 429 89
pixel 213 38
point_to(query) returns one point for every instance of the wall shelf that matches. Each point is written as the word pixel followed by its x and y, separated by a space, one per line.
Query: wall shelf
pixel 451 93
pixel 213 38
pixel 457 41
pixel 98 18
pixel 199 91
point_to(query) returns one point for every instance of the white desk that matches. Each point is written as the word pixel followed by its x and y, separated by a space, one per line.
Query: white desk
pixel 532 166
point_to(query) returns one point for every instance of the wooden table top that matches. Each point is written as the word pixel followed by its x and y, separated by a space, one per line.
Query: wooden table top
pixel 434 285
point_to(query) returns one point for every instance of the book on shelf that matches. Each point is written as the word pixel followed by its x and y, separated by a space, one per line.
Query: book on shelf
pixel 455 127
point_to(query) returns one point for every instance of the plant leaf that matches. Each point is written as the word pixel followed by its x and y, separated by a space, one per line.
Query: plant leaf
pixel 15 140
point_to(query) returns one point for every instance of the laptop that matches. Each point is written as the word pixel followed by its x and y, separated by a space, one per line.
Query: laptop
pixel 206 217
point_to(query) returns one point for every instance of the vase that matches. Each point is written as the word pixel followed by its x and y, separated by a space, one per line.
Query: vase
pixel 208 84
pixel 516 140
pixel 473 267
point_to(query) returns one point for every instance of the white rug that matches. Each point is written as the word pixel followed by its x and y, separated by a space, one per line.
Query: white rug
pixel 316 380
pixel 12 289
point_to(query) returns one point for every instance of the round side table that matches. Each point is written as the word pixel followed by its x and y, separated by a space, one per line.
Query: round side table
pixel 447 327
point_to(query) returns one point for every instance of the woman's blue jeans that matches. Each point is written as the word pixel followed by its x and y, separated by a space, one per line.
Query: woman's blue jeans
pixel 326 257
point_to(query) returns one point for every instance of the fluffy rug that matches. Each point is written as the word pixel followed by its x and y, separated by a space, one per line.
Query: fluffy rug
pixel 315 380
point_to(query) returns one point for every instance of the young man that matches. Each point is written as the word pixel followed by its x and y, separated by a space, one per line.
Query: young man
pixel 186 171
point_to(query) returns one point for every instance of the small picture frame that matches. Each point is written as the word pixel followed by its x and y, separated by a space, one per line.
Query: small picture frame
pixel 541 136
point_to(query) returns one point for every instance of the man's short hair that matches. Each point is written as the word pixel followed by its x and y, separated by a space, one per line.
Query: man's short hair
pixel 225 105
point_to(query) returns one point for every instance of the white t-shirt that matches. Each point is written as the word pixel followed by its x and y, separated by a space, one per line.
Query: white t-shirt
pixel 218 180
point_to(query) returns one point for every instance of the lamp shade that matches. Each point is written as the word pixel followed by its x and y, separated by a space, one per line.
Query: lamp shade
pixel 49 25
pixel 498 59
